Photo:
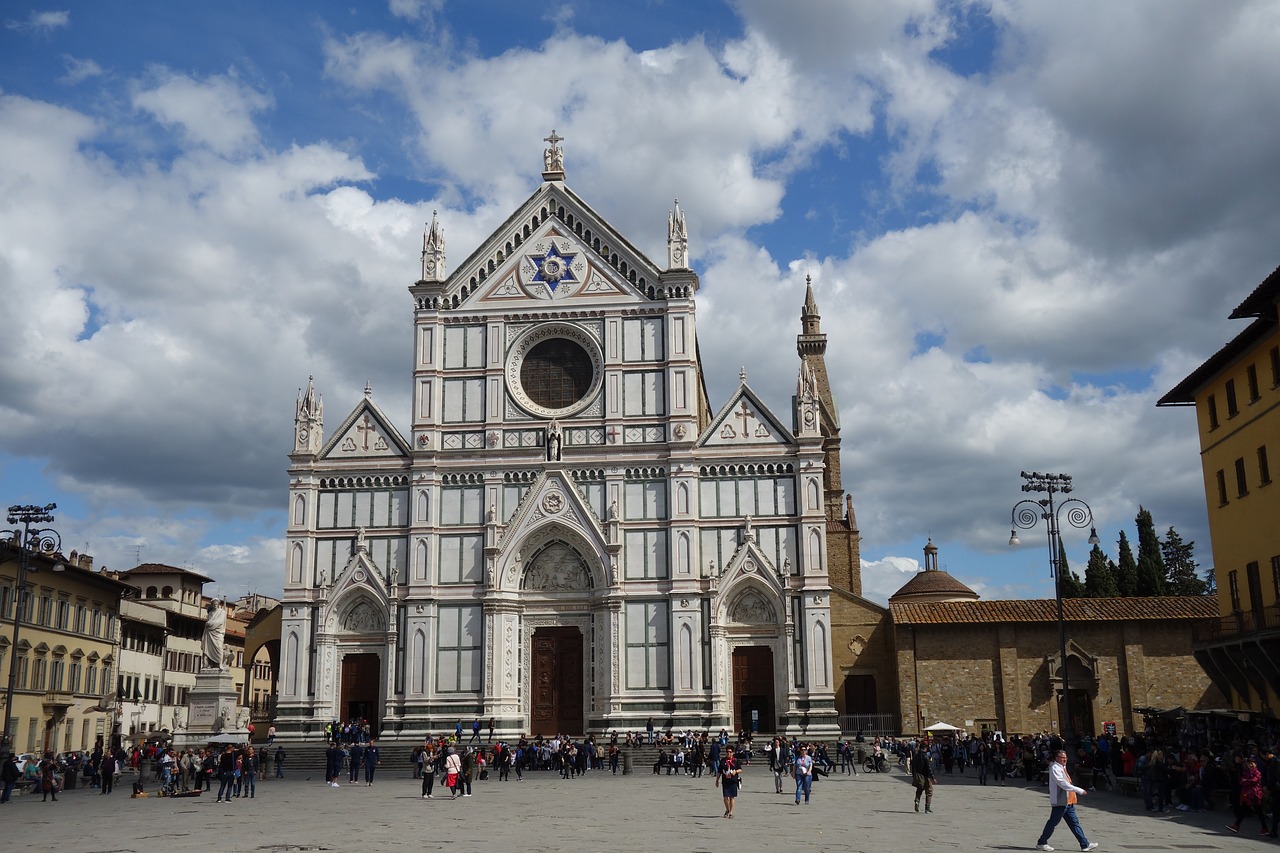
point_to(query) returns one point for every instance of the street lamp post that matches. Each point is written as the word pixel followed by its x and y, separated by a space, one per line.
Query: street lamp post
pixel 30 538
pixel 1026 514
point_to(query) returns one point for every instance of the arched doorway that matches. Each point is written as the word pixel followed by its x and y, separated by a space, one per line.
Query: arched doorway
pixel 753 689
pixel 556 698
pixel 359 696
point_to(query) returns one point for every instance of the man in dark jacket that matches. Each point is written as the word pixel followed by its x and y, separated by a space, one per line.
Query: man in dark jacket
pixel 9 775
pixel 922 777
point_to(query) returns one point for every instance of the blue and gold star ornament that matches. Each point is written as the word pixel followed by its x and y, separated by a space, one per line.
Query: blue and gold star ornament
pixel 554 267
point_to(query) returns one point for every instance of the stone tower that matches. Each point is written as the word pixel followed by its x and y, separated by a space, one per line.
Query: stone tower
pixel 844 560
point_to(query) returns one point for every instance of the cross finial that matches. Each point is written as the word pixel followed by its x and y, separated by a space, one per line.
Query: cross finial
pixel 553 158
pixel 368 389
pixel 742 374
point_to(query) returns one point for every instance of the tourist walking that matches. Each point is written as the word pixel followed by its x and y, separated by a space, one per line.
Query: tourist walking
pixel 226 774
pixel 49 778
pixel 922 778
pixel 372 758
pixel 1062 805
pixel 730 779
pixel 9 775
pixel 804 773
pixel 1249 802
pixel 279 761
pixel 453 772
pixel 428 771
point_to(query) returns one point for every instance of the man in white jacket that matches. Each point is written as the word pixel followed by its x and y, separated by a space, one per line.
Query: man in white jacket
pixel 1062 802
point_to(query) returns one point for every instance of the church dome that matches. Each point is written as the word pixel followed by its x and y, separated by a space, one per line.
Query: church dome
pixel 932 584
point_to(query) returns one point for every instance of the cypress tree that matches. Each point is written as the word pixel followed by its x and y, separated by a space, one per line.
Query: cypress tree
pixel 1151 570
pixel 1179 561
pixel 1071 585
pixel 1126 568
pixel 1100 576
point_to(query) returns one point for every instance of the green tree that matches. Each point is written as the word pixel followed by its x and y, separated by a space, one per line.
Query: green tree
pixel 1151 571
pixel 1126 568
pixel 1100 576
pixel 1072 587
pixel 1183 577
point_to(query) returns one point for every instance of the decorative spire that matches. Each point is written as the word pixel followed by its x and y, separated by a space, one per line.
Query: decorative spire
pixel 553 158
pixel 433 264
pixel 368 389
pixel 308 423
pixel 677 239
pixel 742 374
pixel 810 304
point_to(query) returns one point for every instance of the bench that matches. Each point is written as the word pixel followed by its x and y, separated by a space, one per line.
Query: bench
pixel 1127 785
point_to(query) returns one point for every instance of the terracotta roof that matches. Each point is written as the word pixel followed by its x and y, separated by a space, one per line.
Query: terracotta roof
pixel 932 582
pixel 162 569
pixel 1045 610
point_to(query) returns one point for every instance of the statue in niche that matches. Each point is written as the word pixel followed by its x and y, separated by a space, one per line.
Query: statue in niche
pixel 558 568
pixel 554 440
pixel 362 544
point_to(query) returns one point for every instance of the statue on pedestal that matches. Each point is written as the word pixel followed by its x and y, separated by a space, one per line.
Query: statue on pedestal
pixel 215 632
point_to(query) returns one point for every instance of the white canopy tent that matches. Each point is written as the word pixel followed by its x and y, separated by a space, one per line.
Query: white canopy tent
pixel 943 727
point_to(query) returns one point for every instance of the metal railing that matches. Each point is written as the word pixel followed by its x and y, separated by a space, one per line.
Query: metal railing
pixel 1238 624
pixel 871 725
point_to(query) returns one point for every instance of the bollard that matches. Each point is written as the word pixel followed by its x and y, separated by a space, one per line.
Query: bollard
pixel 627 769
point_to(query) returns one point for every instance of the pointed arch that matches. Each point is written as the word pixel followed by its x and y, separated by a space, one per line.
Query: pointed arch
pixel 682 499
pixel 299 510
pixel 684 657
pixel 418 662
pixel 291 664
pixel 684 553
pixel 295 563
pixel 821 663
pixel 421 559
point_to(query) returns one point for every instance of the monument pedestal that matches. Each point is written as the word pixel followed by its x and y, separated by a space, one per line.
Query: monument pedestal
pixel 212 711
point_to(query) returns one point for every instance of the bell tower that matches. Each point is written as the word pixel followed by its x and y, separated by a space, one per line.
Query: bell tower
pixel 843 539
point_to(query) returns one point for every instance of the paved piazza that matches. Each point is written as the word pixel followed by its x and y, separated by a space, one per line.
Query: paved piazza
pixel 599 812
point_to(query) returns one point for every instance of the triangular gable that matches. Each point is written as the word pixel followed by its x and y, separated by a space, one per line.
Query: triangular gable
pixel 745 421
pixel 366 433
pixel 512 264
pixel 552 509
pixel 750 573
pixel 361 576
pixel 554 265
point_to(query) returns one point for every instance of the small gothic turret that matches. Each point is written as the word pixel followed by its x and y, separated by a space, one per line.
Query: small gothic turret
pixel 677 239
pixel 308 421
pixel 433 262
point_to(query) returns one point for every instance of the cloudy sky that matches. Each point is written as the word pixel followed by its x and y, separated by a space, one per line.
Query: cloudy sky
pixel 1024 223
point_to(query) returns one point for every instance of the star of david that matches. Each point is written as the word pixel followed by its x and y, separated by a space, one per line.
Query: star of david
pixel 553 267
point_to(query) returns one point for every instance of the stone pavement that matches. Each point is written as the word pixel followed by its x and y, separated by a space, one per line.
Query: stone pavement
pixel 599 812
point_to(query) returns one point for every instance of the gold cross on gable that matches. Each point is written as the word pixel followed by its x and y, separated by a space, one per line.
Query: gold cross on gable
pixel 366 427
pixel 553 139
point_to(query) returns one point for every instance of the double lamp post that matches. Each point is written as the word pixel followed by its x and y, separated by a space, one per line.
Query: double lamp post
pixel 1027 513
pixel 31 538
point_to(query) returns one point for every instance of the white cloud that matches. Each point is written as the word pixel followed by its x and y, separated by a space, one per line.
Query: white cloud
pixel 41 23
pixel 216 112
pixel 79 70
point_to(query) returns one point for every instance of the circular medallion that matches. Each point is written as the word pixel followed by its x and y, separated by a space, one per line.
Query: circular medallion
pixel 553 502
pixel 554 370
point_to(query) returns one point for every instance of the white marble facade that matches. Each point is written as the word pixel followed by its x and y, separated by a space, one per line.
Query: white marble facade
pixel 561 478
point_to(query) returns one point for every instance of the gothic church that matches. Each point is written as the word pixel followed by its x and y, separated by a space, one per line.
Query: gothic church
pixel 567 538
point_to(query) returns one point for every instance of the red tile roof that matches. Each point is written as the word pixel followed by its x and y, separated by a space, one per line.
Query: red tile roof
pixel 1045 610
pixel 162 569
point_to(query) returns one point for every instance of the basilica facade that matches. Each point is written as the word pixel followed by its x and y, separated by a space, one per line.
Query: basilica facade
pixel 565 536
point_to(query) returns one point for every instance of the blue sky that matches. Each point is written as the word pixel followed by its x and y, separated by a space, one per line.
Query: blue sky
pixel 1024 222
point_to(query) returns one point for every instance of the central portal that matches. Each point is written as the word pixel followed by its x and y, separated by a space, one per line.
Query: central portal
pixel 753 689
pixel 555 705
pixel 360 675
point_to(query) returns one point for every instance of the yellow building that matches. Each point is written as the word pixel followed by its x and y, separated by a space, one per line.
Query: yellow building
pixel 65 654
pixel 1236 393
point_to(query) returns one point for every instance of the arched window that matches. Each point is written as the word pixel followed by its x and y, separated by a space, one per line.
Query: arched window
pixel 151 592
pixel 167 592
